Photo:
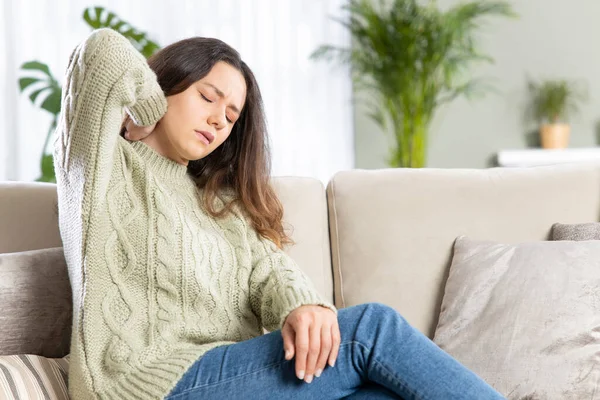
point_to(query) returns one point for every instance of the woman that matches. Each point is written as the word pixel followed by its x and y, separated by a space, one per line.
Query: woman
pixel 173 238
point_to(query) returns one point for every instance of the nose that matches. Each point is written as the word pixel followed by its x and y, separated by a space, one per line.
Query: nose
pixel 217 120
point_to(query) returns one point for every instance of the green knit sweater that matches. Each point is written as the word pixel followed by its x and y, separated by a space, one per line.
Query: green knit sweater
pixel 156 280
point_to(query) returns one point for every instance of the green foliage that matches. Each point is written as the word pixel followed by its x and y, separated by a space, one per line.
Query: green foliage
pixel 554 101
pixel 47 168
pixel 38 81
pixel 412 58
pixel 98 17
pixel 47 87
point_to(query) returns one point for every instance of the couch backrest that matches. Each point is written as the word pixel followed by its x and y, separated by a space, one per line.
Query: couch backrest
pixel 28 216
pixel 305 213
pixel 28 221
pixel 392 231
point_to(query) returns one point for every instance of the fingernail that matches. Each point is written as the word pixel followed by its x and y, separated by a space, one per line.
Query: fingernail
pixel 301 375
pixel 332 363
pixel 318 373
pixel 309 379
pixel 288 354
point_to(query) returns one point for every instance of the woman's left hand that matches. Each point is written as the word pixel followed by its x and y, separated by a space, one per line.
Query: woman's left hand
pixel 313 334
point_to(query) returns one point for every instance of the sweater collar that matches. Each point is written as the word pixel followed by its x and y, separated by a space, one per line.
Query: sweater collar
pixel 162 166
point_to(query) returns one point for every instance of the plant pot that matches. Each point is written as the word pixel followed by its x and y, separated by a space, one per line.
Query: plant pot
pixel 555 136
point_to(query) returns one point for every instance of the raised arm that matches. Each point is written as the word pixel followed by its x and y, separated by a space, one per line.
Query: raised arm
pixel 105 78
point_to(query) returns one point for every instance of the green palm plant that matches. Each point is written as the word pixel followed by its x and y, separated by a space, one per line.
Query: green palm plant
pixel 551 103
pixel 45 90
pixel 412 57
pixel 554 101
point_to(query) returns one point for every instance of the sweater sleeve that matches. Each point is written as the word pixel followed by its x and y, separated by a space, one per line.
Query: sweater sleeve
pixel 277 284
pixel 105 78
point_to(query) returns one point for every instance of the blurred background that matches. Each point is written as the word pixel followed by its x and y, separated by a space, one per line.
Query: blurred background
pixel 308 103
pixel 405 83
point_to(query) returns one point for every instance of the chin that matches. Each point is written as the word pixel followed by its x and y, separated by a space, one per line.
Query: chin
pixel 198 155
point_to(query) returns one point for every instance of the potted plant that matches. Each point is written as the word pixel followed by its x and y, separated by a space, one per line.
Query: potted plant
pixel 46 91
pixel 552 102
pixel 412 57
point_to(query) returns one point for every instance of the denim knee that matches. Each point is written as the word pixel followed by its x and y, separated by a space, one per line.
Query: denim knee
pixel 380 309
pixel 370 318
pixel 374 312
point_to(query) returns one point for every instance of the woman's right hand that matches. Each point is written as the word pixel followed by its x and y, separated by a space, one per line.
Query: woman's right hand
pixel 134 132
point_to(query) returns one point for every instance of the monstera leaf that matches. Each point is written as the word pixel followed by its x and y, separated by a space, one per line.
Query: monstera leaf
pixel 99 17
pixel 43 84
pixel 40 84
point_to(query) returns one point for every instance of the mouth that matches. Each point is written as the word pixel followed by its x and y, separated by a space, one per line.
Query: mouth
pixel 205 137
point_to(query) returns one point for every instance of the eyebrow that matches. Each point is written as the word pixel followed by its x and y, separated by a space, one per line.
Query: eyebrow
pixel 222 95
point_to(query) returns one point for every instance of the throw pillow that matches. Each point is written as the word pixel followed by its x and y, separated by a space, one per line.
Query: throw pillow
pixel 525 317
pixel 585 231
pixel 33 377
pixel 35 303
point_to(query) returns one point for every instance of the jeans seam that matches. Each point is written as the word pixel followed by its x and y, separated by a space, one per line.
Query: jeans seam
pixel 399 381
pixel 277 364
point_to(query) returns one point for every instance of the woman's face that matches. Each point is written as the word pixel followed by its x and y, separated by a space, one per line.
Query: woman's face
pixel 200 119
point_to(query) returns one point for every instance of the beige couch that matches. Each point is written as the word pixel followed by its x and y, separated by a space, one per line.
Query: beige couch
pixel 382 235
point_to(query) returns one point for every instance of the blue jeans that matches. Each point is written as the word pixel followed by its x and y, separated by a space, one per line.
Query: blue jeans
pixel 380 357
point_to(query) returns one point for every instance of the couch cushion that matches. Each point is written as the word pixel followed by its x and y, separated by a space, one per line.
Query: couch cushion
pixel 33 377
pixel 525 317
pixel 35 303
pixel 392 230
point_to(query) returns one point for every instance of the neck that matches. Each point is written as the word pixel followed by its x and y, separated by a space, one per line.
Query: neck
pixel 159 141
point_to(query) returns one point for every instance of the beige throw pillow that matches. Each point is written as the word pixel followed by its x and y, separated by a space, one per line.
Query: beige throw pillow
pixel 584 231
pixel 35 303
pixel 525 317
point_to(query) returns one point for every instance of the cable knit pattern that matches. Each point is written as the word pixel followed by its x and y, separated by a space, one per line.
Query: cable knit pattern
pixel 118 304
pixel 167 219
pixel 156 280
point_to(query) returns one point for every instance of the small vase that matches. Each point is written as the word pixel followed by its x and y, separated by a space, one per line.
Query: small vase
pixel 555 136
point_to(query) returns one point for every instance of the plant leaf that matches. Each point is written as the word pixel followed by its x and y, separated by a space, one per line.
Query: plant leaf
pixel 48 87
pixel 52 102
pixel 47 168
pixel 554 100
pixel 150 48
pixel 36 65
pixel 99 17
pixel 26 82
pixel 36 93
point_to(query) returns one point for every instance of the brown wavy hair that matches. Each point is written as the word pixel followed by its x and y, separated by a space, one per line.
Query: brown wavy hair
pixel 243 162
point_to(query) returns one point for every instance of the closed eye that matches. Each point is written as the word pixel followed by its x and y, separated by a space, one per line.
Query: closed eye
pixel 205 98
